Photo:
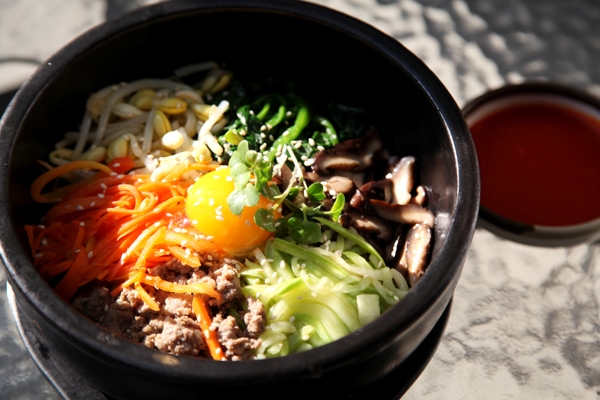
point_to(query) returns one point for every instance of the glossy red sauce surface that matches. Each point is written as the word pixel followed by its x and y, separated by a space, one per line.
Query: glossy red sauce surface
pixel 540 163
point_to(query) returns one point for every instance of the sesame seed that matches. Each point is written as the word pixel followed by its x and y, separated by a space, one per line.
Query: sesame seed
pixel 220 217
pixel 38 255
pixel 92 204
pixel 79 207
pixel 282 264
pixel 263 146
pixel 311 141
pixel 82 223
pixel 194 222
pixel 229 178
pixel 183 243
pixel 101 195
pixel 211 202
pixel 248 223
pixel 90 254
pixel 209 238
pixel 313 294
pixel 120 176
pixel 292 318
pixel 117 165
pixel 113 174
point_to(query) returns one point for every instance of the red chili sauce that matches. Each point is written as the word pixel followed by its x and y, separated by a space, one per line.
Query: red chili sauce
pixel 540 163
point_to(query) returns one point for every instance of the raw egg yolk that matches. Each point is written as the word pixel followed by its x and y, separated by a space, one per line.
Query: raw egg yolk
pixel 207 209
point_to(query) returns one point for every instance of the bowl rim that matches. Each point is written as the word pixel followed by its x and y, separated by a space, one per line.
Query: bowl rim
pixel 530 91
pixel 40 296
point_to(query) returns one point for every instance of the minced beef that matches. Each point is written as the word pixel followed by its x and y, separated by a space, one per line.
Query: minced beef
pixel 174 329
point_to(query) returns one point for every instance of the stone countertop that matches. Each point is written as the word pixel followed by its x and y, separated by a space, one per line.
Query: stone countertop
pixel 525 321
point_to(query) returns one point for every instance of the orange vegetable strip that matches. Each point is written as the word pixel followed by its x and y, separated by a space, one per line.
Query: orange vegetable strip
pixel 158 235
pixel 202 246
pixel 212 341
pixel 146 298
pixel 167 286
pixel 48 176
pixel 187 259
pixel 69 284
pixel 155 186
pixel 56 269
pixel 79 238
pixel 137 244
pixel 121 165
pixel 100 184
pixel 74 205
pixel 127 227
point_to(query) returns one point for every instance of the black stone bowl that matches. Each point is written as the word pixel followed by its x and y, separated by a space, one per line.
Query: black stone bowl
pixel 330 56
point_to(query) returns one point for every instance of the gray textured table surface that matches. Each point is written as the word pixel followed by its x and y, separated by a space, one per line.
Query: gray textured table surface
pixel 525 322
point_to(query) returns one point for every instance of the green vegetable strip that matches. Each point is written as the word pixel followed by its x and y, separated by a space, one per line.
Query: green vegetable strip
pixel 329 130
pixel 356 238
pixel 334 326
pixel 338 303
pixel 319 265
pixel 319 336
pixel 292 133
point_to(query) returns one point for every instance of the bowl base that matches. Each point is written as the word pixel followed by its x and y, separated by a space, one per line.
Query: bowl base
pixel 71 386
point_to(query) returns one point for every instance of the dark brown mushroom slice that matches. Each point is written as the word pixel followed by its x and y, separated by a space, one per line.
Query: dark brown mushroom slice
pixel 403 214
pixel 421 197
pixel 326 162
pixel 359 201
pixel 414 256
pixel 402 176
pixel 371 224
pixel 350 155
pixel 381 190
pixel 284 176
pixel 338 184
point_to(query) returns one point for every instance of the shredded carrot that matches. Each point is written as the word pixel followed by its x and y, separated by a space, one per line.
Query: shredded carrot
pixel 186 257
pixel 150 302
pixel 212 341
pixel 117 226
pixel 39 184
pixel 196 288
